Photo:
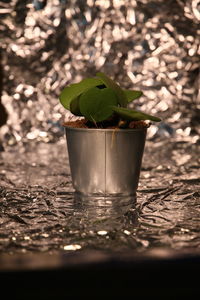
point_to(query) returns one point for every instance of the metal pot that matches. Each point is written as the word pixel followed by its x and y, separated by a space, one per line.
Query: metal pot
pixel 105 162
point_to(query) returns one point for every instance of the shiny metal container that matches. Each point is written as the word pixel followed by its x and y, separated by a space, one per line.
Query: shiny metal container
pixel 105 162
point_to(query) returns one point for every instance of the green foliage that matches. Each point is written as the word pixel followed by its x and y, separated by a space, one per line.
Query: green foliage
pixel 133 115
pixel 122 99
pixel 96 104
pixel 98 99
pixel 132 95
pixel 72 91
pixel 75 107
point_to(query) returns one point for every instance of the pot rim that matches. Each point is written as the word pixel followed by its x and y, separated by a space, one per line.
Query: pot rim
pixel 105 129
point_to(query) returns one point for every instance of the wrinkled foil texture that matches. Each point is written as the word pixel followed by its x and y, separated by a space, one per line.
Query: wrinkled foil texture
pixel 148 45
pixel 40 213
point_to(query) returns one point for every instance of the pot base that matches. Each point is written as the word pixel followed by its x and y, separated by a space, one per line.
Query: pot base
pixel 104 206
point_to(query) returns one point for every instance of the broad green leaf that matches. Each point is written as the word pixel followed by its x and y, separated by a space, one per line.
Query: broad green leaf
pixel 132 95
pixel 133 115
pixel 95 104
pixel 74 107
pixel 74 90
pixel 115 87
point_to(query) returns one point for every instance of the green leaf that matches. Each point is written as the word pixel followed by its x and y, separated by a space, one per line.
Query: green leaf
pixel 95 104
pixel 133 115
pixel 132 95
pixel 115 87
pixel 74 107
pixel 74 90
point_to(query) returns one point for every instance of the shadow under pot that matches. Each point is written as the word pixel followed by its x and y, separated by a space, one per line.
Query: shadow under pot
pixel 105 162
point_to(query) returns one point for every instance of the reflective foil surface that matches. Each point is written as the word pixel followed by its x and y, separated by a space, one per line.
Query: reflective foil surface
pixel 39 211
pixel 148 45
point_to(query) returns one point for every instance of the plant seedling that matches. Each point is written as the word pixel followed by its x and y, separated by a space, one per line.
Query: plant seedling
pixel 100 99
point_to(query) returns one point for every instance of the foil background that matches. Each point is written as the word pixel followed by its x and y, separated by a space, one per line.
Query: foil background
pixel 149 45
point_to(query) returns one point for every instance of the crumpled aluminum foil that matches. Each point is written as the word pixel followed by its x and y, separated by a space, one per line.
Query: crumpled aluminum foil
pixel 148 45
pixel 39 211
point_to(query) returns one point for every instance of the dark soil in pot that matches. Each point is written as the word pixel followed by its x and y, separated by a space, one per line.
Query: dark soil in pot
pixel 109 124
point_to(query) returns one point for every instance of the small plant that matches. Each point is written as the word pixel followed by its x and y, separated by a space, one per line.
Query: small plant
pixel 101 99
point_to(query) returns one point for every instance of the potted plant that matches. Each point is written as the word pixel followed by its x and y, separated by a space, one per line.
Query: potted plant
pixel 106 144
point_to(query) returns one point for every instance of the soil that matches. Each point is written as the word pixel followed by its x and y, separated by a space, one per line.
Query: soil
pixel 110 124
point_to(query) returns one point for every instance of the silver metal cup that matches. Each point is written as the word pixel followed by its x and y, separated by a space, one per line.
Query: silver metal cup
pixel 101 207
pixel 99 213
pixel 105 162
